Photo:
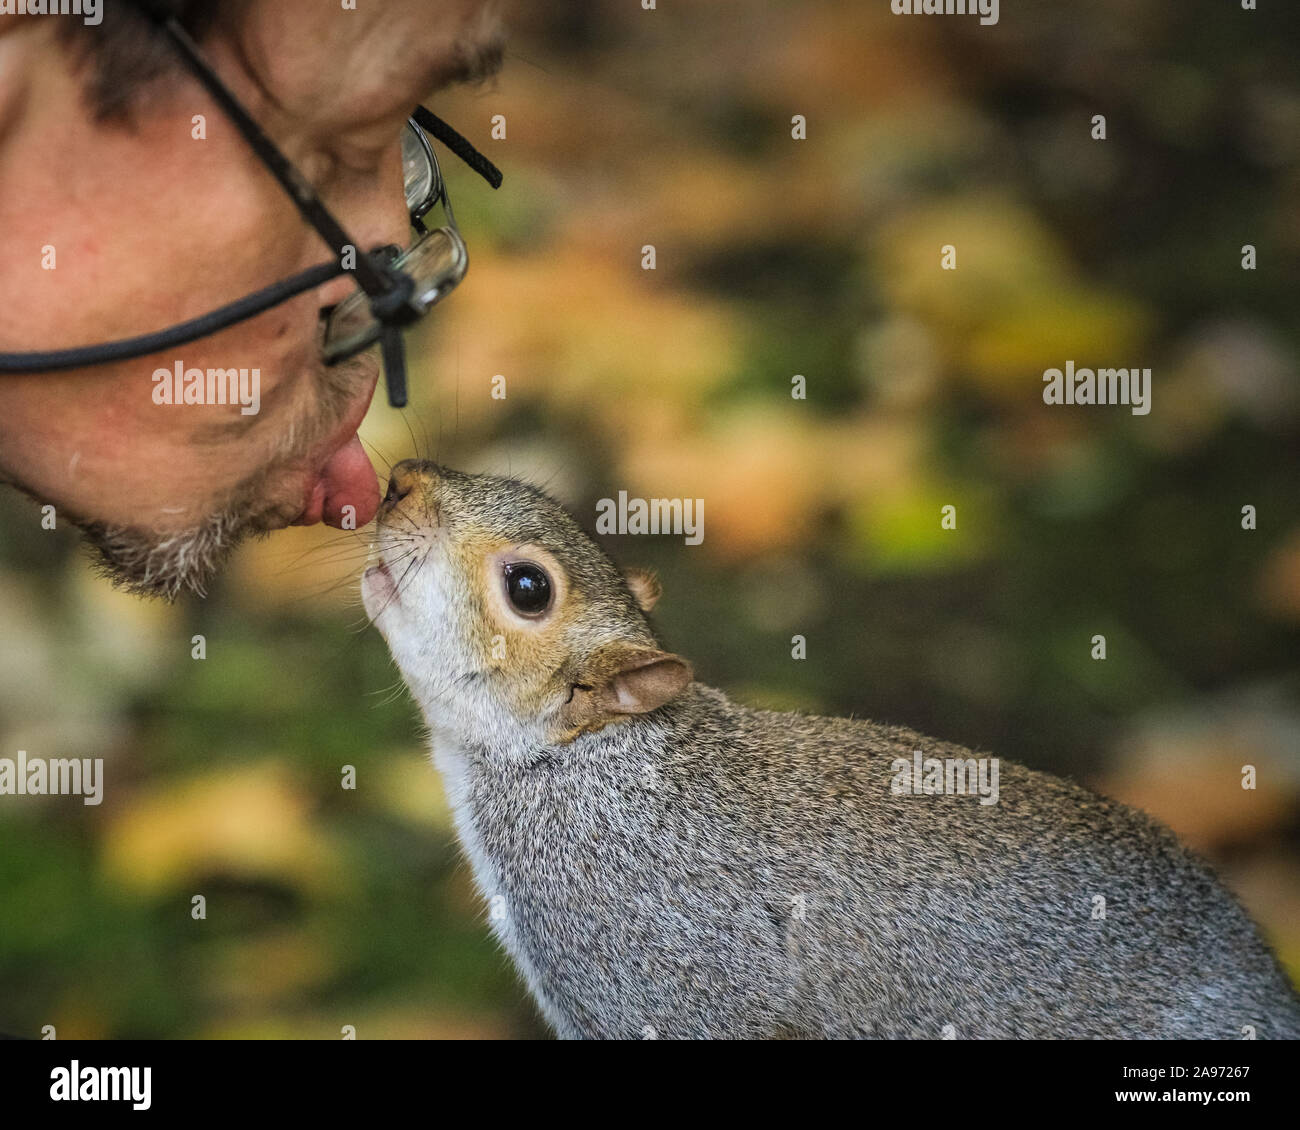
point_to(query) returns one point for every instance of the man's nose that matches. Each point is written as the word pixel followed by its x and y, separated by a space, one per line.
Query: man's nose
pixel 376 218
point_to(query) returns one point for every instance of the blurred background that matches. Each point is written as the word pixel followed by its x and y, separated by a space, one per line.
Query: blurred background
pixel 774 257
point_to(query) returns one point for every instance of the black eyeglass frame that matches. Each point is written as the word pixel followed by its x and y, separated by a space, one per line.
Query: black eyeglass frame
pixel 391 291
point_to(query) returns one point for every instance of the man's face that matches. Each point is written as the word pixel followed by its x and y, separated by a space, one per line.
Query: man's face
pixel 151 226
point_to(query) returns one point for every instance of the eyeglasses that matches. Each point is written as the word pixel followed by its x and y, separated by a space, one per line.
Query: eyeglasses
pixel 397 287
pixel 436 261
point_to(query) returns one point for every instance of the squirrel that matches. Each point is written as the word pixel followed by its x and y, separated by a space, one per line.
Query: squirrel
pixel 661 862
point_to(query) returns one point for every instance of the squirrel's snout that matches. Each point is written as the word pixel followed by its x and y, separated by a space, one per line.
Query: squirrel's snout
pixel 406 477
pixel 397 490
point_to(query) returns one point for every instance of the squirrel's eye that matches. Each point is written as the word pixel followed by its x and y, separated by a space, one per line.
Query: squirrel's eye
pixel 528 587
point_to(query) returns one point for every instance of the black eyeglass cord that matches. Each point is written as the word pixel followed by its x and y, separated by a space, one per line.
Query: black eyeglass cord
pixel 394 310
pixel 181 334
pixel 459 145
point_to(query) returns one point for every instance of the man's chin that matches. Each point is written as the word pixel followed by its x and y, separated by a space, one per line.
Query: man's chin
pixel 162 564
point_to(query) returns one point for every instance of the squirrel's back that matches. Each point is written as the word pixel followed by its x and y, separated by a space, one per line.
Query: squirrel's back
pixel 713 870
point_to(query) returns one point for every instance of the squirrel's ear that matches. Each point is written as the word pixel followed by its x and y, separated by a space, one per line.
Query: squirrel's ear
pixel 645 587
pixel 625 680
pixel 646 681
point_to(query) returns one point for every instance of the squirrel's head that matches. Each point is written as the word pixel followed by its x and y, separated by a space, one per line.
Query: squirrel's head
pixel 512 628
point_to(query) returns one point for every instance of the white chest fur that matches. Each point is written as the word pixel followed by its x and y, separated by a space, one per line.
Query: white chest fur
pixel 457 770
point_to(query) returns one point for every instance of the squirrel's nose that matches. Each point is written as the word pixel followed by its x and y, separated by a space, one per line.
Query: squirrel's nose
pixel 397 491
pixel 405 476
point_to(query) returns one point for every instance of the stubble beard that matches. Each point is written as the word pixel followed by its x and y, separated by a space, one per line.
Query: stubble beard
pixel 162 564
pixel 153 564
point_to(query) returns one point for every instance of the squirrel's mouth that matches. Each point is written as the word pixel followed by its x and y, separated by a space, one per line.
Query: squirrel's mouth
pixel 378 589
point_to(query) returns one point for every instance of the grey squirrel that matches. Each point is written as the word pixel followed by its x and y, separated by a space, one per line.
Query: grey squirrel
pixel 660 861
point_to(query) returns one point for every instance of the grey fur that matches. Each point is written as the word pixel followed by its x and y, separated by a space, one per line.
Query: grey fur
pixel 708 870
pixel 666 896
